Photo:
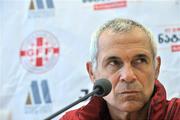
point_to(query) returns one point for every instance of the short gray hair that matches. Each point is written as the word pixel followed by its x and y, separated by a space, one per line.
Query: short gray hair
pixel 118 25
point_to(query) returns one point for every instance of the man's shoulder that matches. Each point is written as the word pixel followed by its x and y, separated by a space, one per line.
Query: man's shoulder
pixel 70 115
pixel 94 110
pixel 177 100
pixel 174 101
pixel 173 108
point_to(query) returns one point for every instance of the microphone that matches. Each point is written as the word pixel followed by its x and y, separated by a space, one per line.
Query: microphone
pixel 104 87
pixel 101 88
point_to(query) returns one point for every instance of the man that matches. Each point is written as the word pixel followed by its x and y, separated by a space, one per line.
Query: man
pixel 124 52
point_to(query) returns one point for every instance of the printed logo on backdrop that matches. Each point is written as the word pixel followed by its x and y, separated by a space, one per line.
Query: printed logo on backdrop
pixel 39 52
pixel 170 36
pixel 38 99
pixel 106 4
pixel 41 8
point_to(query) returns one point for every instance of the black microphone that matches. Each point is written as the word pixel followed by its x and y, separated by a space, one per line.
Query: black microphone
pixel 101 88
pixel 104 87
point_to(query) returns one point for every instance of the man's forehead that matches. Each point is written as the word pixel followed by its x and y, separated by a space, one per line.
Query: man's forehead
pixel 135 41
pixel 127 54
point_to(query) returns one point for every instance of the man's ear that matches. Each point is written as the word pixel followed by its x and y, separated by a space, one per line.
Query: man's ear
pixel 90 71
pixel 158 65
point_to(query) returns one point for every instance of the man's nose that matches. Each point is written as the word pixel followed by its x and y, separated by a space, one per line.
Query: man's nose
pixel 127 74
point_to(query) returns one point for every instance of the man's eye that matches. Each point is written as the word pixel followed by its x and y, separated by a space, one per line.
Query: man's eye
pixel 140 60
pixel 114 64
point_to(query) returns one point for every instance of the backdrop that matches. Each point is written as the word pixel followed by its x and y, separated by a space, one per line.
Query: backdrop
pixel 44 47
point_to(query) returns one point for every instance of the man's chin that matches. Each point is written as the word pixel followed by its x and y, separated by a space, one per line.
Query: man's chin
pixel 131 106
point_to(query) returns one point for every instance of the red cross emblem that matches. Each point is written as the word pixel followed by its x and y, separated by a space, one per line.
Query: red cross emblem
pixel 39 52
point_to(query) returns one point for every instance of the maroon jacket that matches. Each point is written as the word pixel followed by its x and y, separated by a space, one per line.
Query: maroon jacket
pixel 159 109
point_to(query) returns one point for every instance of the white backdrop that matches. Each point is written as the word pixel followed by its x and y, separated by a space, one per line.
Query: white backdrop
pixel 44 48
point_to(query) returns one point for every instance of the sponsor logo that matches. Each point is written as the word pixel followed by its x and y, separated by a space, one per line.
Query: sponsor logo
pixel 164 38
pixel 170 36
pixel 38 98
pixel 107 4
pixel 41 8
pixel 39 52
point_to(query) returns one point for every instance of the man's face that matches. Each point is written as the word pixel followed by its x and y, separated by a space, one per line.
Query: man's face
pixel 126 60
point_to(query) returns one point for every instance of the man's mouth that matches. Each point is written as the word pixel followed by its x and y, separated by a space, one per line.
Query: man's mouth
pixel 130 92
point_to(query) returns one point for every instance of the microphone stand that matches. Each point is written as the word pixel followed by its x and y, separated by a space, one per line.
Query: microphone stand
pixel 73 104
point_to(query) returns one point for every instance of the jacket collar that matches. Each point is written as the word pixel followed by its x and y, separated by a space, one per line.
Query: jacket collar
pixel 157 106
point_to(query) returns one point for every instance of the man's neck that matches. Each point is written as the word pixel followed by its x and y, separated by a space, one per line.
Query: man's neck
pixel 119 115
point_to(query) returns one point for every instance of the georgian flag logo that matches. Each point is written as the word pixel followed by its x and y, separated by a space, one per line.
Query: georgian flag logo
pixel 39 52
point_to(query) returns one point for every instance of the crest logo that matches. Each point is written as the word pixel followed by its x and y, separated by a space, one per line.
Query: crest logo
pixel 39 52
